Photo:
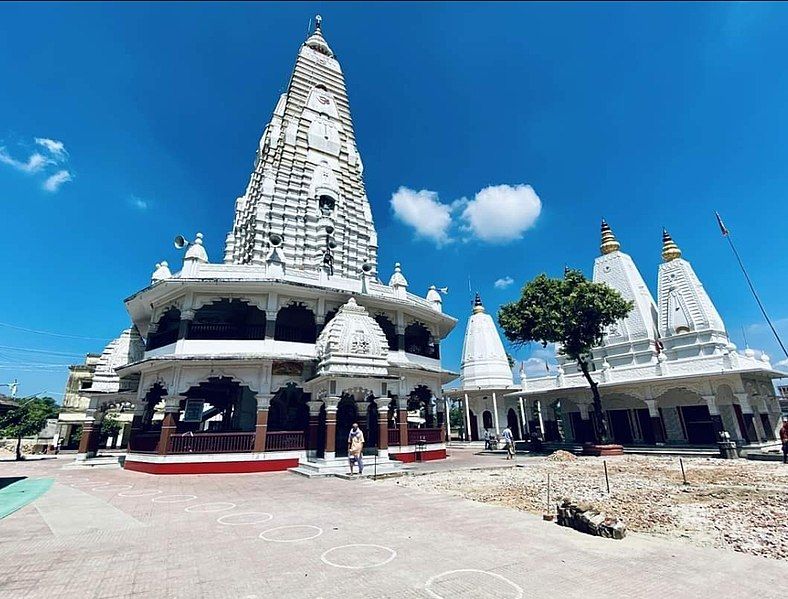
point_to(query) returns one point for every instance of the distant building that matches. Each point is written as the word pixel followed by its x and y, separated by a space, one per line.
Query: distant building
pixel 668 373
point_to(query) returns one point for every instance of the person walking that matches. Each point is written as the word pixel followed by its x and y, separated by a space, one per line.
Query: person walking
pixel 487 440
pixel 508 440
pixel 355 448
pixel 784 439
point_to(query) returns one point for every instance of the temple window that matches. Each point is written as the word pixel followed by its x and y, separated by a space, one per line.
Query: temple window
pixel 228 319
pixel 166 329
pixel 295 323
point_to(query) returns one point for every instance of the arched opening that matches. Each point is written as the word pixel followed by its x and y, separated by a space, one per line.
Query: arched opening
pixel 347 414
pixel 419 406
pixel 295 323
pixel 419 341
pixel 166 329
pixel 514 423
pixel 153 398
pixel 474 426
pixel 289 410
pixel 227 406
pixel 372 434
pixel 389 330
pixel 487 420
pixel 326 204
pixel 228 319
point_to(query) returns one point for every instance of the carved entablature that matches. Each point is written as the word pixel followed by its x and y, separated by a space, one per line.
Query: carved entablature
pixel 259 301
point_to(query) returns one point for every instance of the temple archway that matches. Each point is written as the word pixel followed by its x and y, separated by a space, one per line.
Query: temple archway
pixel 389 330
pixel 514 423
pixel 474 432
pixel 487 420
pixel 228 319
pixel 347 414
pixel 419 400
pixel 167 328
pixel 419 341
pixel 227 407
pixel 289 410
pixel 295 323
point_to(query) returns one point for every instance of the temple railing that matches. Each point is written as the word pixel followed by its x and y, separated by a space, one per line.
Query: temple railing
pixel 204 330
pixel 144 442
pixel 393 436
pixel 284 440
pixel 425 435
pixel 211 443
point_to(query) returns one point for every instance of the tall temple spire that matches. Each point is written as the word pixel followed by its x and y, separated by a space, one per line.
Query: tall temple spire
pixel 609 242
pixel 484 361
pixel 306 199
pixel 670 251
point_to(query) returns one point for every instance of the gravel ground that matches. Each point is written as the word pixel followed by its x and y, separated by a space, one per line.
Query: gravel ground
pixel 729 504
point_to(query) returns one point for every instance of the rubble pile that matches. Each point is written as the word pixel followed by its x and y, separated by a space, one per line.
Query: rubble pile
pixel 561 456
pixel 583 517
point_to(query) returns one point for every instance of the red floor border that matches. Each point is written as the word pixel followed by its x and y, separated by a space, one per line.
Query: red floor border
pixel 211 467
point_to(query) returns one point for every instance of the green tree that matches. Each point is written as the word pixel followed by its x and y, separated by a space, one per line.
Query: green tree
pixel 110 426
pixel 27 419
pixel 572 312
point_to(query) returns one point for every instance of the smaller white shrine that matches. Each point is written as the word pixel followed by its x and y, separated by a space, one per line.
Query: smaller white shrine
pixel 486 381
pixel 668 373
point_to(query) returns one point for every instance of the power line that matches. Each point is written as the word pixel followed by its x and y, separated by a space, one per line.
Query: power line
pixel 41 351
pixel 51 333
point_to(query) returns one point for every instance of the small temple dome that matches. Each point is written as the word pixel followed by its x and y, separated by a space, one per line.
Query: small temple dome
pixel 434 297
pixel 750 353
pixel 196 250
pixel 352 343
pixel 161 273
pixel 398 279
pixel 765 357
pixel 316 41
pixel 609 242
pixel 670 251
pixel 484 360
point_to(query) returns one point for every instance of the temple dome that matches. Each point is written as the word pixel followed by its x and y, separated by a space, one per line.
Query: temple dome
pixel 484 361
pixel 316 41
pixel 352 343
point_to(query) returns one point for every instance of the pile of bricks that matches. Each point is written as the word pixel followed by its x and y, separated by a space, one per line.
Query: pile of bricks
pixel 583 517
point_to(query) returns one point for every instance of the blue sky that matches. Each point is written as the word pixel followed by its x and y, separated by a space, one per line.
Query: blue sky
pixel 644 114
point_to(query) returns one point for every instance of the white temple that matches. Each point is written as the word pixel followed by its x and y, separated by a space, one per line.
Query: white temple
pixel 263 361
pixel 486 380
pixel 668 373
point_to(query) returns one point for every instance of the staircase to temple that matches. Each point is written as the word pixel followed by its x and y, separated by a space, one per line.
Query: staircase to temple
pixel 339 467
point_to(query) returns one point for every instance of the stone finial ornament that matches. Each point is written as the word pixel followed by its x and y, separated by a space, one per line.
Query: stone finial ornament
pixel 161 272
pixel 609 242
pixel 196 250
pixel 398 279
pixel 670 251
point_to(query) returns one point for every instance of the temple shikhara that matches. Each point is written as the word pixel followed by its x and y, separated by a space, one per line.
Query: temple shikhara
pixel 262 361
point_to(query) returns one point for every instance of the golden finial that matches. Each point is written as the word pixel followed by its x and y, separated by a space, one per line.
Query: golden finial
pixel 670 251
pixel 609 242
pixel 477 304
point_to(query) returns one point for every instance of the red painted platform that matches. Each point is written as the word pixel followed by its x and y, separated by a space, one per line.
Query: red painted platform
pixel 425 456
pixel 211 467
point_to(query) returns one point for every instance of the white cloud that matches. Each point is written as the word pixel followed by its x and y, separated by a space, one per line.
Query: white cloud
pixel 423 211
pixel 33 164
pixel 502 213
pixel 535 367
pixel 139 203
pixel 55 147
pixel 782 365
pixel 54 182
pixel 504 282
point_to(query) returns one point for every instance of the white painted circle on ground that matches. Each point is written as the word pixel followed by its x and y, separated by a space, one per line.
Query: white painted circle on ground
pixel 141 493
pixel 455 584
pixel 359 556
pixel 83 483
pixel 174 498
pixel 277 537
pixel 116 488
pixel 245 518
pixel 207 508
pixel 100 485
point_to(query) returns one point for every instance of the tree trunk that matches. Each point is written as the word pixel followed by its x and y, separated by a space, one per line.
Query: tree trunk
pixel 19 448
pixel 601 434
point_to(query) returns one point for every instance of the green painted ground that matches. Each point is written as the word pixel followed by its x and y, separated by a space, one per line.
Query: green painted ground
pixel 17 495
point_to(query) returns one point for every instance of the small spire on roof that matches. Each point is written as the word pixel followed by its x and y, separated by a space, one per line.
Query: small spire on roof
pixel 477 304
pixel 609 242
pixel 318 21
pixel 670 251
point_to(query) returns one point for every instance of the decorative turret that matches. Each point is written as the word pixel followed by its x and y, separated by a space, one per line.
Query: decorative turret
pixel 631 340
pixel 609 242
pixel 484 361
pixel 196 250
pixel 434 297
pixel 685 309
pixel 161 273
pixel 398 282
pixel 670 251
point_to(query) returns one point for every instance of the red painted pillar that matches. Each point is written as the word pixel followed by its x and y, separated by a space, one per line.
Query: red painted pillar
pixel 261 429
pixel 88 442
pixel 331 432
pixel 383 427
pixel 403 427
pixel 168 427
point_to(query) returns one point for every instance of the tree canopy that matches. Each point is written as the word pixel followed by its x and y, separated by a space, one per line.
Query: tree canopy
pixel 573 312
pixel 27 419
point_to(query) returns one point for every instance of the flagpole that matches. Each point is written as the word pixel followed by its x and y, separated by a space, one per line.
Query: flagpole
pixel 726 233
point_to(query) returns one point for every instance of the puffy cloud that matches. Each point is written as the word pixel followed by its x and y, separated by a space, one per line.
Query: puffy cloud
pixel 139 203
pixel 55 147
pixel 423 211
pixel 782 365
pixel 53 182
pixel 502 213
pixel 504 282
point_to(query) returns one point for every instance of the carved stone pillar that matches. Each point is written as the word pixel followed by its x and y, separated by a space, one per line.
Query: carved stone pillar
pixel 270 324
pixel 169 425
pixel 716 419
pixel 495 414
pixel 332 404
pixel 656 422
pixel 186 322
pixel 539 419
pixel 751 431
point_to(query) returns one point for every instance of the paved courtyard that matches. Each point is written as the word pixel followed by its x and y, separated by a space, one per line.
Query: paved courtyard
pixel 114 533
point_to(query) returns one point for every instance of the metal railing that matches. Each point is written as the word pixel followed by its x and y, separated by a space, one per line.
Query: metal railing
pixel 211 442
pixel 393 436
pixel 297 334
pixel 144 442
pixel 284 440
pixel 204 330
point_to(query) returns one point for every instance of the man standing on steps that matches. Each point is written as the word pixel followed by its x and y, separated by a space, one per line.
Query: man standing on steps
pixel 355 448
